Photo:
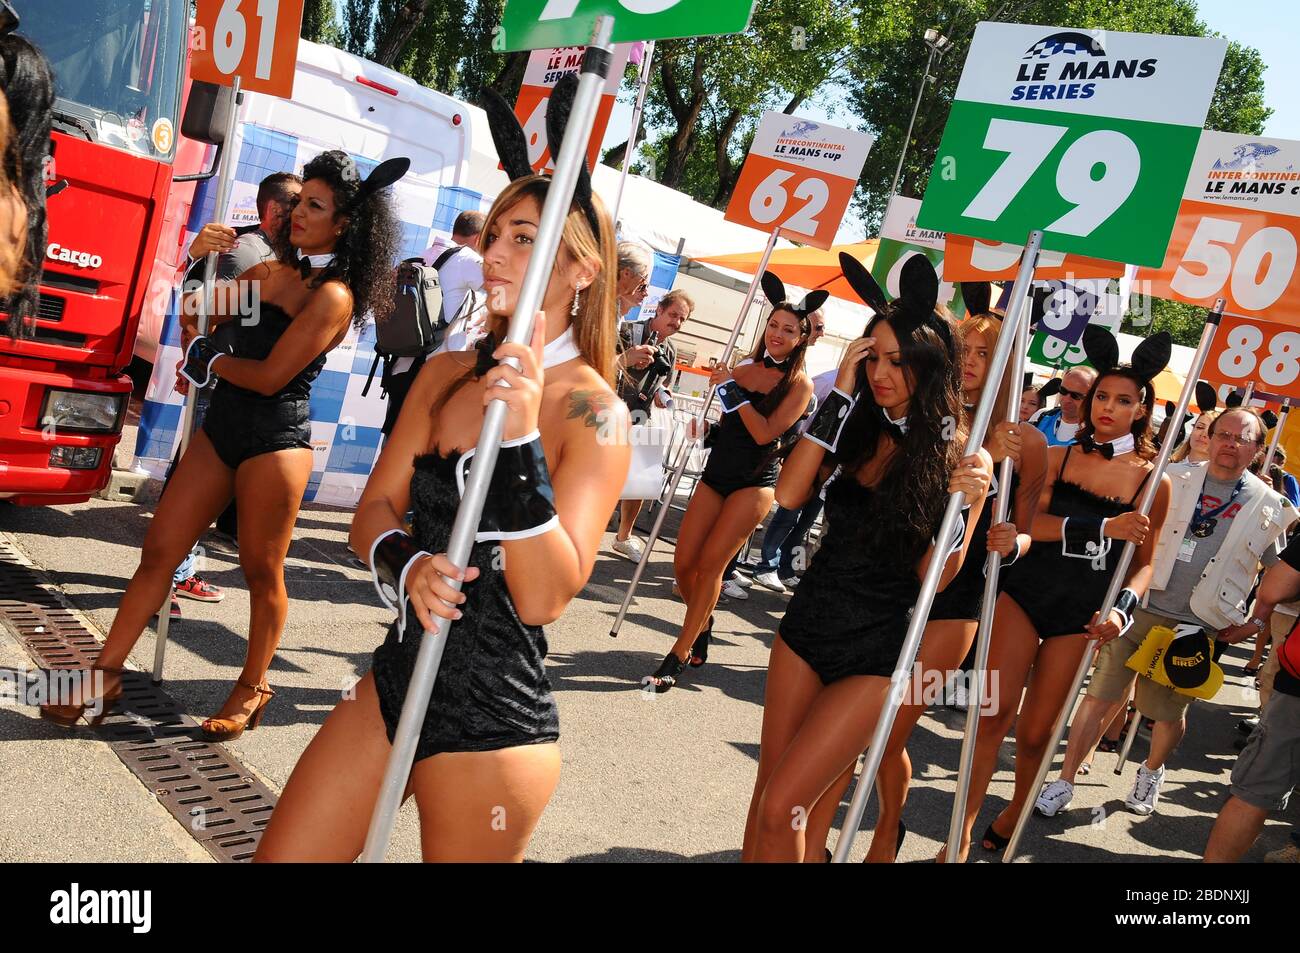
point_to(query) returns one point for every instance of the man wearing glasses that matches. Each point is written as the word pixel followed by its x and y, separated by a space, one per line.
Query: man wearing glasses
pixel 1220 516
pixel 1062 423
pixel 633 276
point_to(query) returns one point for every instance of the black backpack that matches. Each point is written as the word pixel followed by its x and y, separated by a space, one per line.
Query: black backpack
pixel 416 325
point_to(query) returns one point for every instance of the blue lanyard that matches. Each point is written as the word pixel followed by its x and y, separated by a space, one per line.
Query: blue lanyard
pixel 1203 517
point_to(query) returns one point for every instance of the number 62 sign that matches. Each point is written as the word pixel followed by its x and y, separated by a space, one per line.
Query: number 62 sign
pixel 798 177
pixel 256 40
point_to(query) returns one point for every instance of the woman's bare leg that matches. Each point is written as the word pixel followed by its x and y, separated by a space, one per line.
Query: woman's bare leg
pixel 741 511
pixel 791 687
pixel 1012 650
pixel 943 646
pixel 200 488
pixel 483 805
pixel 324 811
pixel 836 729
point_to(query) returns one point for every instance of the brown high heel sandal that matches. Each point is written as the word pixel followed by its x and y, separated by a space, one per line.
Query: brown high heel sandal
pixel 227 729
pixel 69 715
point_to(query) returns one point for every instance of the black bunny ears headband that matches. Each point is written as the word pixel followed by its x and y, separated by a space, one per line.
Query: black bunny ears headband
pixel 512 143
pixel 381 176
pixel 1149 358
pixel 915 304
pixel 978 295
pixel 774 289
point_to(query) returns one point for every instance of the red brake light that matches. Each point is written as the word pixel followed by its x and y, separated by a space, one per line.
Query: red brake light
pixel 379 86
pixel 455 120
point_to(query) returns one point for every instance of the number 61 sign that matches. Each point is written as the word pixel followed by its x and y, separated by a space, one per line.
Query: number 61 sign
pixel 798 177
pixel 256 40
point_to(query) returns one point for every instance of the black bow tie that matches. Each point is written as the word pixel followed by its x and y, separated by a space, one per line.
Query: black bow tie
pixel 304 267
pixel 485 361
pixel 768 362
pixel 1089 445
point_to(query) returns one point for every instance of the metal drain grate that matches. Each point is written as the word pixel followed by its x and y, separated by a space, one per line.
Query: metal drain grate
pixel 202 784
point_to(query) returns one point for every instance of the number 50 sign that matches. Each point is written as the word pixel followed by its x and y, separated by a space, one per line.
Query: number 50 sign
pixel 798 177
pixel 256 40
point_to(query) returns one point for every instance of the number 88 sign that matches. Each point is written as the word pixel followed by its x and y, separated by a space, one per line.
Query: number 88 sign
pixel 1248 350
pixel 798 177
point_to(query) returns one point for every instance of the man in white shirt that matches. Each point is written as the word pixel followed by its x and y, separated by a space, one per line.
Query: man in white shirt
pixel 460 276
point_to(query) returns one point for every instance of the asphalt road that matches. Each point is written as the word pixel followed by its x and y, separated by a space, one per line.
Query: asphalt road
pixel 645 778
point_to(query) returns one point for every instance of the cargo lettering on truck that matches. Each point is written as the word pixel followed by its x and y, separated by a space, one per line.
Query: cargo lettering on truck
pixel 82 259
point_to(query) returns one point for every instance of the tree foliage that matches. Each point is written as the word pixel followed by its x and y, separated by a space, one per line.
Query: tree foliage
pixel 862 60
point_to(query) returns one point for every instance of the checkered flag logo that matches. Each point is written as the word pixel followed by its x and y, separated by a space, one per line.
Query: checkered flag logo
pixel 1070 44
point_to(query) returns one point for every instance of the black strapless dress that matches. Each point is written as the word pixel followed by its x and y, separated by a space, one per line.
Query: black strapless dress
pixel 492 691
pixel 850 612
pixel 736 461
pixel 243 424
pixel 964 595
pixel 1061 593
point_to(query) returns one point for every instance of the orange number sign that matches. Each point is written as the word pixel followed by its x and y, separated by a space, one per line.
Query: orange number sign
pixel 1249 350
pixel 798 177
pixel 256 40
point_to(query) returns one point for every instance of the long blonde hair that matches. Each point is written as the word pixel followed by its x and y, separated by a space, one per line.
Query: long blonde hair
pixel 594 326
pixel 1183 449
pixel 990 326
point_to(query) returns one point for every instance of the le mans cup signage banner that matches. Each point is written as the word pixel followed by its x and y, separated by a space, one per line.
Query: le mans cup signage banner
pixel 545 69
pixel 799 177
pixel 1238 230
pixel 900 239
pixel 1087 135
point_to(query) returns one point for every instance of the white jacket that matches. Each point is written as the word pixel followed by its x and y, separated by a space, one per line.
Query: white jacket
pixel 1219 599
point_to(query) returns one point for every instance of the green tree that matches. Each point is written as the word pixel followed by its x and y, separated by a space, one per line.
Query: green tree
pixel 319 23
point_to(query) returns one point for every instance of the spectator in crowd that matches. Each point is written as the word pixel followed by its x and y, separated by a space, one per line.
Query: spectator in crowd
pixel 1269 766
pixel 1220 517
pixel 634 263
pixel 1062 423
pixel 644 372
pixel 1030 403
pixel 1196 448
pixel 460 275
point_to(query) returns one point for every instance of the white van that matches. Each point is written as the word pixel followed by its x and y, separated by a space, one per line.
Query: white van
pixel 341 101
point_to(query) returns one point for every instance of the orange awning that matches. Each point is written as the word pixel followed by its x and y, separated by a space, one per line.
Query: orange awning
pixel 1169 386
pixel 806 267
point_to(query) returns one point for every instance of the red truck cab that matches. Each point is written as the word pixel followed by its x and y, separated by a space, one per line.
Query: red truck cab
pixel 119 69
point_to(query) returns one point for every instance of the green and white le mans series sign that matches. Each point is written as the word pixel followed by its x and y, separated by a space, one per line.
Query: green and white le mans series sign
pixel 535 24
pixel 1086 134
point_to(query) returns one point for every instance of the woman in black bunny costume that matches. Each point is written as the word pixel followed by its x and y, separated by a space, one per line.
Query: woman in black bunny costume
pixel 333 268
pixel 760 400
pixel 487 759
pixel 1047 613
pixel 890 430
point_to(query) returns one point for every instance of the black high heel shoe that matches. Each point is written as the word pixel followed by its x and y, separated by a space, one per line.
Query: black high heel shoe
pixel 993 837
pixel 700 650
pixel 669 669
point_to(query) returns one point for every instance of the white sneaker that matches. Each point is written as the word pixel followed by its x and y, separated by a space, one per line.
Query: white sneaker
pixel 1146 790
pixel 790 582
pixel 1056 797
pixel 733 591
pixel 631 548
pixel 741 580
pixel 769 580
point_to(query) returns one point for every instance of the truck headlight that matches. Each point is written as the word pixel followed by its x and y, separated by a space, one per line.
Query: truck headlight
pixel 80 411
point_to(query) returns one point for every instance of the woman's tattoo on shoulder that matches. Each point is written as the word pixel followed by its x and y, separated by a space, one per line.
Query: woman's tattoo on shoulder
pixel 590 405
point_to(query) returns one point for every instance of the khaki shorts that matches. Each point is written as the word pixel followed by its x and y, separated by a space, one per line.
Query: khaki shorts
pixel 1112 679
pixel 1269 765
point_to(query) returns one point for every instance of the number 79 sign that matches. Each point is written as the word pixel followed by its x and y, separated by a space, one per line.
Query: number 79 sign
pixel 798 177
pixel 256 40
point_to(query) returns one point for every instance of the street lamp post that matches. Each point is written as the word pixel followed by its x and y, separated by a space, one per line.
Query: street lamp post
pixel 937 43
